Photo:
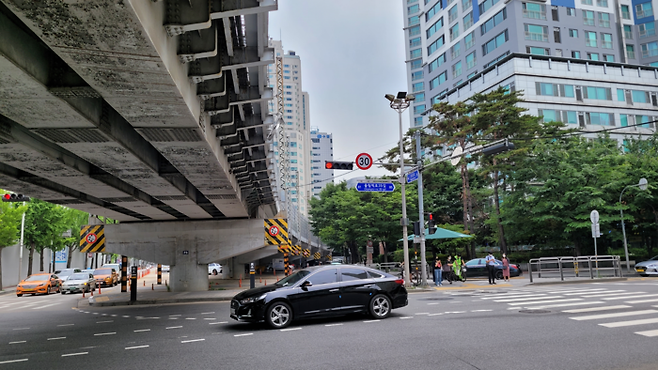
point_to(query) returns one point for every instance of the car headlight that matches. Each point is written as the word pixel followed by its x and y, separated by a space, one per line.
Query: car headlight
pixel 253 299
pixel 653 265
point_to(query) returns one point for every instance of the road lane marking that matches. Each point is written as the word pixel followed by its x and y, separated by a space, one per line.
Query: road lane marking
pixel 207 313
pixel 510 296
pixel 435 314
pixel 549 301
pixel 328 325
pixel 141 330
pixel 218 322
pixel 648 333
pixel 594 309
pixel 481 310
pixel 455 312
pixel 113 315
pixel 173 327
pixel 627 297
pixel 642 301
pixel 175 315
pixel 366 321
pixel 190 318
pixel 126 316
pixel 406 317
pixel 243 335
pixel 292 329
pixel 108 333
pixel 137 347
pixel 22 329
pixel 432 304
pixel 75 354
pixel 210 318
pixel 613 315
pixel 18 342
pixel 65 325
pixel 56 338
pixel 527 299
pixel 610 294
pixel 13 361
pixel 620 324
pixel 560 305
pixel 422 313
pixel 103 322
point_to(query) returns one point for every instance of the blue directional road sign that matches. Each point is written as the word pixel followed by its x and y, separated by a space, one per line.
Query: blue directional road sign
pixel 375 186
pixel 412 176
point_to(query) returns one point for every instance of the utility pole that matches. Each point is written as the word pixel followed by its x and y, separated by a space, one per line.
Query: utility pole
pixel 421 213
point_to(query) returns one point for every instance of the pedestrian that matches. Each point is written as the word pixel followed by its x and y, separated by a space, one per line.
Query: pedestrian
pixel 457 267
pixel 491 268
pixel 447 269
pixel 505 267
pixel 438 276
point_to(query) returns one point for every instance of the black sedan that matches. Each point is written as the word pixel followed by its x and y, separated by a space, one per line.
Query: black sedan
pixel 477 268
pixel 321 291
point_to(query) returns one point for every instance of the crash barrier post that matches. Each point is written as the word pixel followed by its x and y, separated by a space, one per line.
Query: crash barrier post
pixel 159 274
pixel 133 284
pixel 577 267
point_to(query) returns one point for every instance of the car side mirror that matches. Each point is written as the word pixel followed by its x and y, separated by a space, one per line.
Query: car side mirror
pixel 306 284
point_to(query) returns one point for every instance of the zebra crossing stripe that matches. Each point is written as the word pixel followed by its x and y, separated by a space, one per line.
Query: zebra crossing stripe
pixel 609 293
pixel 642 301
pixel 620 324
pixel 578 291
pixel 626 297
pixel 513 296
pixel 648 333
pixel 613 315
pixel 594 309
pixel 564 305
pixel 527 299
pixel 542 302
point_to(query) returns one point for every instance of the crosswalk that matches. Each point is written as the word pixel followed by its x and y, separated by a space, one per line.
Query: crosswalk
pixel 38 303
pixel 612 308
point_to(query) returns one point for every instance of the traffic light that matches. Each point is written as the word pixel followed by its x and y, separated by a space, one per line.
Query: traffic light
pixel 15 198
pixel 330 165
pixel 431 229
pixel 498 148
pixel 416 228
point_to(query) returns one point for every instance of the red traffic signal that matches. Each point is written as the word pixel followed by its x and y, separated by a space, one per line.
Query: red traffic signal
pixel 15 198
pixel 331 165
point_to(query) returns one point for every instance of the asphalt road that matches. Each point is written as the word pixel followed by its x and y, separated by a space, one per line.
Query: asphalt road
pixel 578 326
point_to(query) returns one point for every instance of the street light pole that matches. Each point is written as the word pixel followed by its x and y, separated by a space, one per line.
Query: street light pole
pixel 400 103
pixel 20 250
pixel 421 213
pixel 643 186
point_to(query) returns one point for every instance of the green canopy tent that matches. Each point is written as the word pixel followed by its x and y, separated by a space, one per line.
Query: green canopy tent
pixel 441 234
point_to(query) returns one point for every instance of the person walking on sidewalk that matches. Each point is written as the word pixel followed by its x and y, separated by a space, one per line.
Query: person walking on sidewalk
pixel 438 276
pixel 505 267
pixel 491 268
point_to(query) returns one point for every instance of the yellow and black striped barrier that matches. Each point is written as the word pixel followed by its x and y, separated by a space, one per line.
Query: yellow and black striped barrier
pixel 276 231
pixel 92 239
pixel 317 255
pixel 306 253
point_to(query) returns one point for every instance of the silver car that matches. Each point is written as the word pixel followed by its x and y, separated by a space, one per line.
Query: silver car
pixel 647 268
pixel 79 282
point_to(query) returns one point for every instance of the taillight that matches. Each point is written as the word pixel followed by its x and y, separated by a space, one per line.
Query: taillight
pixel 400 281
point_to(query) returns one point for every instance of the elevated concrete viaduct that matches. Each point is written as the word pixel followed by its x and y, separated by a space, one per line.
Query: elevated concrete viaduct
pixel 143 111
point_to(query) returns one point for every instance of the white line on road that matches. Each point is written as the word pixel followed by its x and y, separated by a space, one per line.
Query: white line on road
pixel 56 338
pixel 18 342
pixel 481 310
pixel 190 318
pixel 66 325
pixel 138 347
pixel 422 313
pixel 510 296
pixel 527 299
pixel 610 294
pixel 192 340
pixel 175 315
pixel 562 305
pixel 630 323
pixel 104 322
pixel 366 321
pixel 455 312
pixel 210 318
pixel 75 354
pixel 328 325
pixel 218 322
pixel 433 304
pixel 642 301
pixel 542 302
pixel 243 335
pixel 173 327
pixel 108 333
pixel 141 330
pixel 594 309
pixel 627 297
pixel 207 313
pixel 577 291
pixel 435 314
pixel 126 316
pixel 612 315
pixel 13 361
pixel 113 315
pixel 292 329
pixel 405 317
pixel 648 333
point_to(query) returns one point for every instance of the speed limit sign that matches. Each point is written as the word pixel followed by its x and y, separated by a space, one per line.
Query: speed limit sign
pixel 363 161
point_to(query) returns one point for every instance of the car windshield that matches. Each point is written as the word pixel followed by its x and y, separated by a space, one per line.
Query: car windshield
pixel 38 278
pixel 78 276
pixel 292 279
pixel 64 272
pixel 103 272
pixel 654 258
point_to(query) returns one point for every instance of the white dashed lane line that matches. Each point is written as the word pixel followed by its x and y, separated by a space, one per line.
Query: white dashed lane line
pixel 192 340
pixel 75 354
pixel 65 325
pixel 368 321
pixel 329 325
pixel 18 342
pixel 102 334
pixel 218 322
pixel 210 318
pixel 141 330
pixel 406 317
pixel 173 327
pixel 137 347
pixel 207 313
pixel 13 361
pixel 243 335
pixel 292 329
pixel 57 338
pixel 104 322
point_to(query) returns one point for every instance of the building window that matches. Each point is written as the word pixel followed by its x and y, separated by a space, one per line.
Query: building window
pixel 628 32
pixel 419 86
pixel 649 49
pixel 470 60
pixel 590 39
pixel 536 33
pixel 602 119
pixel 494 43
pixel 414 20
pixel 575 54
pixel 418 109
pixel 466 5
pixel 549 115
pixel 486 5
pixel 414 31
pixel 537 51
pixel 413 9
pixel 416 63
pixel 452 14
pixel 418 121
pixel 602 3
pixel 625 12
pixel 643 119
pixel 643 10
pixel 534 11
pixel 434 28
pixel 604 20
pixel 623 120
pixel 586 2
pixel 468 20
pixel 454 32
pixel 469 40
pixel 606 40
pixel 438 80
pixel 597 93
pixel 588 18
pixel 414 42
pixel 472 74
pixel 647 29
pixel 571 12
pixel 640 96
pixel 432 11
pixel 630 51
pixel 608 58
pixel 416 53
pixel 573 33
pixel 457 69
pixel 493 21
pixel 418 75
pixel 455 50
pixel 593 56
pixel 436 63
pixel 435 45
pixel 549 89
pixel 420 97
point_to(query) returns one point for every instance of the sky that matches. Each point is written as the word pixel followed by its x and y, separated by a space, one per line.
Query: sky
pixel 352 54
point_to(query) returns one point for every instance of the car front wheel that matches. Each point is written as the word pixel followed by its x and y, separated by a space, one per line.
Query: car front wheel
pixel 499 275
pixel 380 306
pixel 279 315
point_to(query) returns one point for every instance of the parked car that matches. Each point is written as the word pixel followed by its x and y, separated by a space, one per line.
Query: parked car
pixel 321 291
pixel 79 282
pixel 64 273
pixel 477 268
pixel 214 268
pixel 41 283
pixel 115 266
pixel 649 267
pixel 106 276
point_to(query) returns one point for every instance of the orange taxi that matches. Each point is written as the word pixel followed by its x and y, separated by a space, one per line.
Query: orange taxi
pixel 106 276
pixel 43 282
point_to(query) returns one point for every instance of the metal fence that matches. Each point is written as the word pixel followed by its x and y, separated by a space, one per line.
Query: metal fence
pixel 575 267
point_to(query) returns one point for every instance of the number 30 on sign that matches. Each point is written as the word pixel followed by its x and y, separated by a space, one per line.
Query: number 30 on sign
pixel 363 161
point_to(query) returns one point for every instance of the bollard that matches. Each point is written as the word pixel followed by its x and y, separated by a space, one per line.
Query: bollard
pixel 252 276
pixel 83 293
pixel 144 282
pixel 265 282
pixel 152 288
pixel 240 283
pixel 99 288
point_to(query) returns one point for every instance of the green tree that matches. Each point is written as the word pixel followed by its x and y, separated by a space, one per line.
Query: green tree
pixel 44 225
pixel 74 220
pixel 10 223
